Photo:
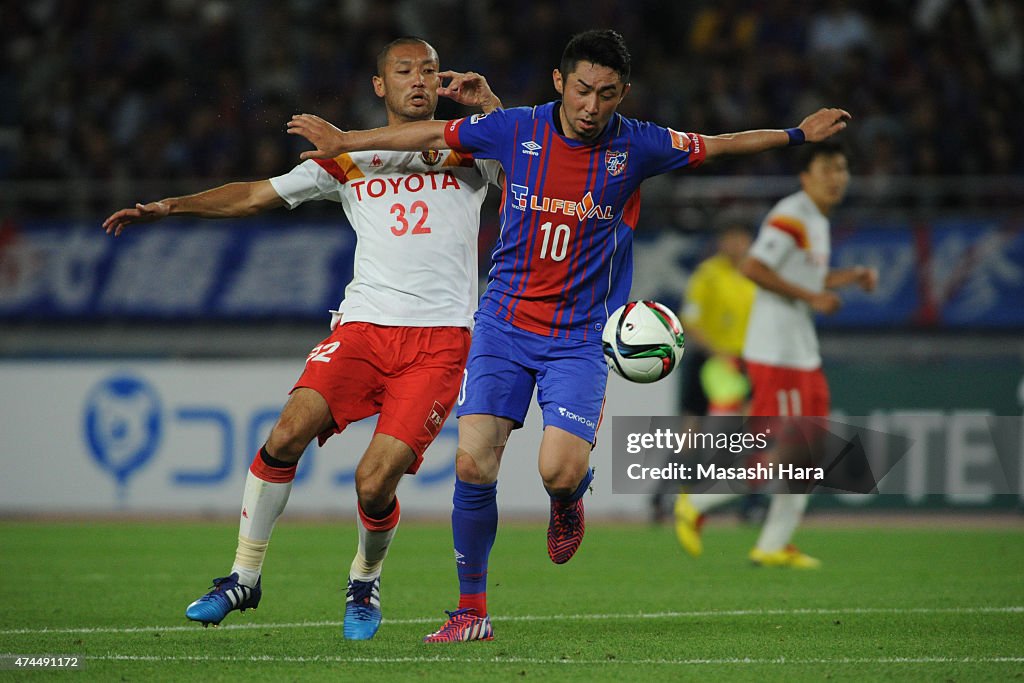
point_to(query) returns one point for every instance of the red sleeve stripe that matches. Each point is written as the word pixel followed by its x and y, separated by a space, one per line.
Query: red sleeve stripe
pixel 451 134
pixel 792 227
pixel 698 150
pixel 332 167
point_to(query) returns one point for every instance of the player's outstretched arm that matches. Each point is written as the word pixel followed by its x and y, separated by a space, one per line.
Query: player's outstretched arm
pixel 864 277
pixel 469 89
pixel 330 141
pixel 227 201
pixel 819 126
pixel 765 277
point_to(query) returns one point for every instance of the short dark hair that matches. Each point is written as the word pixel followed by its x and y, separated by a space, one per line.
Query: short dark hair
pixel 808 153
pixel 604 48
pixel 733 226
pixel 382 56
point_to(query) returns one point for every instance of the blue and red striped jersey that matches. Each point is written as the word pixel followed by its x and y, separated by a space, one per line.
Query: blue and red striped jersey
pixel 564 257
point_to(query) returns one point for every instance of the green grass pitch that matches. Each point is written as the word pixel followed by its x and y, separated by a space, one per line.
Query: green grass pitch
pixel 891 603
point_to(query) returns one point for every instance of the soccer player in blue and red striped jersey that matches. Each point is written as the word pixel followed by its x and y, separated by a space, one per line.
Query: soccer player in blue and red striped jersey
pixel 562 263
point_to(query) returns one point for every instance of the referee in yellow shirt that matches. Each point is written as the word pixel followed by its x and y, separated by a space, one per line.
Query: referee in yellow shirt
pixel 716 305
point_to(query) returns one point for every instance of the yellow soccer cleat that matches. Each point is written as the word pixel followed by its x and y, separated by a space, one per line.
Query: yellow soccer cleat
pixel 688 524
pixel 790 557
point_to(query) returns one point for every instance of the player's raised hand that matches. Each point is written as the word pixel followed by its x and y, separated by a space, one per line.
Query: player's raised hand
pixel 469 89
pixel 328 140
pixel 824 123
pixel 142 213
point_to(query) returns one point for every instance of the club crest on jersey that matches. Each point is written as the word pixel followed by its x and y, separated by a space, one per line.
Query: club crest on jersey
pixel 431 157
pixel 615 162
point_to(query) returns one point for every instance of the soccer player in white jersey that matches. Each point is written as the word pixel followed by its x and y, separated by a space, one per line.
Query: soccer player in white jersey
pixel 399 340
pixel 789 264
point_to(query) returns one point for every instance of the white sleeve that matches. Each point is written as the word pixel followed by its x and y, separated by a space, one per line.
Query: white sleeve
pixel 490 170
pixel 772 246
pixel 306 182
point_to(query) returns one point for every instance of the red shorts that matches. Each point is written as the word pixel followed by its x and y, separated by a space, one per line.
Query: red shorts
pixel 788 392
pixel 410 376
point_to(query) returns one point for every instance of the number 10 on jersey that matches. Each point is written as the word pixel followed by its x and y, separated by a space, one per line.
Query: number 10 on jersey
pixel 557 239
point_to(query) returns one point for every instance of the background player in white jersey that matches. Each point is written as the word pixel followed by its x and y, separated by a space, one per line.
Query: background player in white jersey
pixel 400 338
pixel 789 264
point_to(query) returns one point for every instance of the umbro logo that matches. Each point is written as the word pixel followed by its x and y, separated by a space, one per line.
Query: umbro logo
pixel 532 148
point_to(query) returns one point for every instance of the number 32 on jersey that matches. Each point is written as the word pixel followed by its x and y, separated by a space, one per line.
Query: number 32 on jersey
pixel 414 215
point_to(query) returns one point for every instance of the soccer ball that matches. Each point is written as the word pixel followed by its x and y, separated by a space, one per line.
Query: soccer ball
pixel 642 341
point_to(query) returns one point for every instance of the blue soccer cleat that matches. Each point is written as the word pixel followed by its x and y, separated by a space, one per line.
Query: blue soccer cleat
pixel 362 609
pixel 227 595
pixel 463 625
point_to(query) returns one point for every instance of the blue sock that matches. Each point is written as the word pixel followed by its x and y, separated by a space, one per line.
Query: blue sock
pixel 474 527
pixel 580 490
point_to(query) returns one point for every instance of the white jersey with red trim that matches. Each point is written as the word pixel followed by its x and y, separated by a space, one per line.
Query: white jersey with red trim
pixel 794 242
pixel 416 217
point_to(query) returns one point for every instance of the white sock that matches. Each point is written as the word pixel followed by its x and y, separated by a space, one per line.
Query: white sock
pixel 373 546
pixel 784 515
pixel 706 501
pixel 262 503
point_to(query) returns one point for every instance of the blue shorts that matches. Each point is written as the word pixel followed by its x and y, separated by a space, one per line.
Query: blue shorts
pixel 505 363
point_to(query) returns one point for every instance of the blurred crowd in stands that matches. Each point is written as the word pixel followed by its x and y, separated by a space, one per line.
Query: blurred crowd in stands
pixel 202 88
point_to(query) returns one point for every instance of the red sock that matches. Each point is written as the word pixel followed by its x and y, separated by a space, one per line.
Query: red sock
pixel 385 523
pixel 268 468
pixel 477 601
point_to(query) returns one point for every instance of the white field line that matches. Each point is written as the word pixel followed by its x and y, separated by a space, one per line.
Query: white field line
pixel 544 617
pixel 441 659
